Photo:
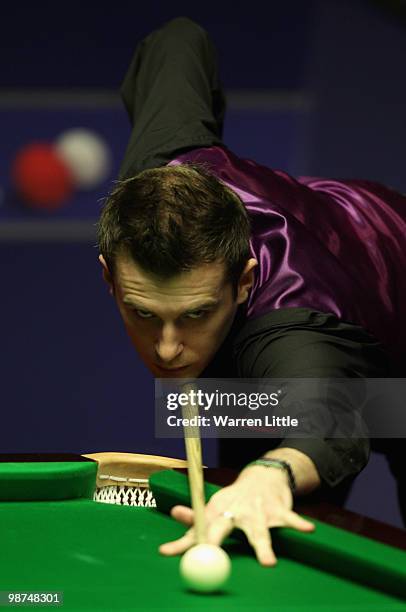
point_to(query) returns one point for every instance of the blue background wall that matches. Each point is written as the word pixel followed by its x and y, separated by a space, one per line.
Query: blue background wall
pixel 314 88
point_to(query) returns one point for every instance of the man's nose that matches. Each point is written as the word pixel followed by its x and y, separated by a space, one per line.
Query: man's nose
pixel 169 345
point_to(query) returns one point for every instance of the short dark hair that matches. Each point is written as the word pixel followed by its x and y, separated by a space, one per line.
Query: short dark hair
pixel 172 219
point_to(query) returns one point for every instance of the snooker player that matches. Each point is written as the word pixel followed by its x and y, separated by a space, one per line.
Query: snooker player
pixel 221 267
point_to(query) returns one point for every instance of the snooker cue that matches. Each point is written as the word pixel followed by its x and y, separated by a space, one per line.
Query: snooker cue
pixel 195 468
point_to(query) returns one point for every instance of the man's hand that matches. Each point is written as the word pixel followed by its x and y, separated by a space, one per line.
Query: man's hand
pixel 258 500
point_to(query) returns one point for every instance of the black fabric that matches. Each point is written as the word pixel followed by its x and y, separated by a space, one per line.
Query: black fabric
pixel 302 343
pixel 287 338
pixel 172 95
pixel 174 99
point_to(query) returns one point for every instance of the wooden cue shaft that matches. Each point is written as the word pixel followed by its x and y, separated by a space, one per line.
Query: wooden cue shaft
pixel 195 468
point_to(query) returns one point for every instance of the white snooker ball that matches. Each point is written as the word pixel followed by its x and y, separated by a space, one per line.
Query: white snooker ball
pixel 205 568
pixel 87 156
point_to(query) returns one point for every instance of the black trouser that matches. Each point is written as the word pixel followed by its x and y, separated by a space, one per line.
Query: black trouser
pixel 173 96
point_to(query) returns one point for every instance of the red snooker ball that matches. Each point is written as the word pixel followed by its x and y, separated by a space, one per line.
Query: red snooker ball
pixel 41 177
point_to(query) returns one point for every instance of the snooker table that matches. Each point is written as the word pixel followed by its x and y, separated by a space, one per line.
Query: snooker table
pixel 104 556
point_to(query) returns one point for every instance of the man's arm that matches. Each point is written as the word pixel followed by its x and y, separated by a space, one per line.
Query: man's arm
pixel 172 95
pixel 258 500
pixel 305 472
pixel 300 343
pixel 314 345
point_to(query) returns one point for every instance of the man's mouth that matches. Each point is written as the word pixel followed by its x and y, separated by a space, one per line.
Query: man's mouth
pixel 172 369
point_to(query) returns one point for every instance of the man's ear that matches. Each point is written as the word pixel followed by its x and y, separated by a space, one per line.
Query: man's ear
pixel 246 280
pixel 106 275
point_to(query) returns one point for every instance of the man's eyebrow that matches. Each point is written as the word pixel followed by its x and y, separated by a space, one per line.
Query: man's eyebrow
pixel 211 303
pixel 207 304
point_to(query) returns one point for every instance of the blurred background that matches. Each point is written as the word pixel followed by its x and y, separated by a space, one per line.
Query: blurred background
pixel 314 88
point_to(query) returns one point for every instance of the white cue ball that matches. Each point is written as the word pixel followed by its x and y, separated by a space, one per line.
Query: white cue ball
pixel 87 156
pixel 205 568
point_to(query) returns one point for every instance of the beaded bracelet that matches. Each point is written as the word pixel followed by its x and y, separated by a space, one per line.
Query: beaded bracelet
pixel 280 464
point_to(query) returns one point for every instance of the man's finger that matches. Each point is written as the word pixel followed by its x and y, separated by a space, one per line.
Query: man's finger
pixel 298 522
pixel 218 529
pixel 177 547
pixel 259 537
pixel 183 514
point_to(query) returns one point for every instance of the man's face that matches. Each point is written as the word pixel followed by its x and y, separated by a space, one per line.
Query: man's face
pixel 176 325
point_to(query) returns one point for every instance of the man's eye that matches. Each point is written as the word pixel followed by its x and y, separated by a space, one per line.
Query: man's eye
pixel 197 314
pixel 143 314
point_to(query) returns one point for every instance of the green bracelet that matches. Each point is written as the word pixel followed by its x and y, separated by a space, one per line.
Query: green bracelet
pixel 281 465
